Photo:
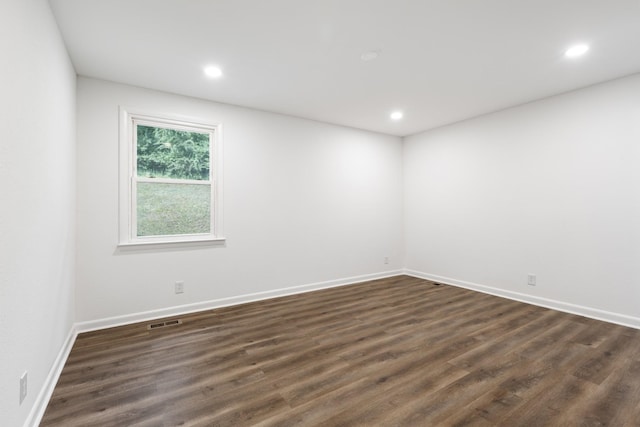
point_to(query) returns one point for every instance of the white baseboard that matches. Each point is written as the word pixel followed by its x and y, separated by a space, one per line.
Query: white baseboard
pixel 42 400
pixel 110 322
pixel 593 313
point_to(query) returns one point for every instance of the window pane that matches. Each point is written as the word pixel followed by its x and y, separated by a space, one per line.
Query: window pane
pixel 170 153
pixel 169 209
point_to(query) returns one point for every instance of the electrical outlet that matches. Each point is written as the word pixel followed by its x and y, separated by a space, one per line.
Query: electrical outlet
pixel 531 279
pixel 179 287
pixel 386 260
pixel 23 387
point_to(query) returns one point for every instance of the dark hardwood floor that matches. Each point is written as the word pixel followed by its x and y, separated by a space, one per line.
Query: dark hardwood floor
pixel 392 352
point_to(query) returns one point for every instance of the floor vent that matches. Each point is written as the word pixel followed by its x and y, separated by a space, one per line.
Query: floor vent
pixel 159 325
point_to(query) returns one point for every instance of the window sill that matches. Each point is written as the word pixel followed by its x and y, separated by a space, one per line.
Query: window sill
pixel 169 244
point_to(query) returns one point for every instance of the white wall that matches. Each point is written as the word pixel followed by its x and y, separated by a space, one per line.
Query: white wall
pixel 37 196
pixel 550 188
pixel 304 202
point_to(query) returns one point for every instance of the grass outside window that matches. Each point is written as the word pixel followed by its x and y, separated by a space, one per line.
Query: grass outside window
pixel 169 209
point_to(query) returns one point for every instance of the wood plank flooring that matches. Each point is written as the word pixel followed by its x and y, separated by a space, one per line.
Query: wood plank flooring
pixel 392 352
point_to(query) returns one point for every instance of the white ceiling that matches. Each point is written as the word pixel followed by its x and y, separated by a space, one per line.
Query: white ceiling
pixel 440 61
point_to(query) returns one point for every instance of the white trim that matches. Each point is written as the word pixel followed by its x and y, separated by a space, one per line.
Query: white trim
pixel 194 240
pixel 42 400
pixel 593 313
pixel 126 319
pixel 174 181
pixel 217 186
pixel 167 121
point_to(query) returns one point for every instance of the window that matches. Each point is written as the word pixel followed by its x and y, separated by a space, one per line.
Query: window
pixel 170 187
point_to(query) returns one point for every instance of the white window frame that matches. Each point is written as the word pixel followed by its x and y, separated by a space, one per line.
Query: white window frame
pixel 129 119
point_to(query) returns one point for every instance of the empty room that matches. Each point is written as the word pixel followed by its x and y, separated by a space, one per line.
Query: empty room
pixel 319 213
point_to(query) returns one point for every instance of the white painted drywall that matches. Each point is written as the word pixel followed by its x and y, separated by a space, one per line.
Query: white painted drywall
pixel 304 202
pixel 550 188
pixel 37 195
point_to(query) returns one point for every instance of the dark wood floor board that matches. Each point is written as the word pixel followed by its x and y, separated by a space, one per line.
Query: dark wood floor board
pixel 406 391
pixel 318 411
pixel 109 336
pixel 385 368
pixel 532 378
pixel 510 340
pixel 628 419
pixel 564 356
pixel 399 351
pixel 309 389
pixel 205 392
pixel 595 334
pixel 244 410
pixel 389 390
pixel 356 329
pixel 433 409
pixel 482 328
pixel 560 394
pixel 538 346
pixel 178 381
pixel 607 358
pixel 446 316
pixel 487 410
pixel 613 401
pixel 626 389
pixel 503 325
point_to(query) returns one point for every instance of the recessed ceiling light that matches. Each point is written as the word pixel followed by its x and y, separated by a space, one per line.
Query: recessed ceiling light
pixel 370 56
pixel 576 51
pixel 396 115
pixel 213 71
